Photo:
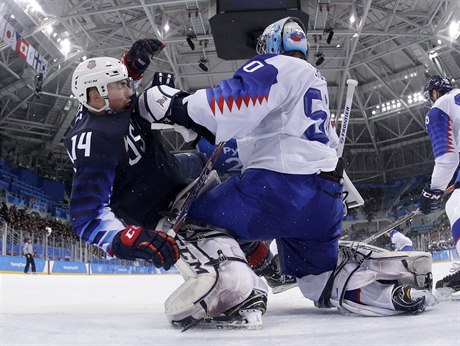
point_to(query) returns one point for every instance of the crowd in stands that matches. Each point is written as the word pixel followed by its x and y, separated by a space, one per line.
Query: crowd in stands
pixel 33 224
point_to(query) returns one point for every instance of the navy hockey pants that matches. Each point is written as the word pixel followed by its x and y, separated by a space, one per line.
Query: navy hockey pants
pixel 302 212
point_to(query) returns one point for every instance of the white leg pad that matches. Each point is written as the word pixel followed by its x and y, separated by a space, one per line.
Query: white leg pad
pixel 214 289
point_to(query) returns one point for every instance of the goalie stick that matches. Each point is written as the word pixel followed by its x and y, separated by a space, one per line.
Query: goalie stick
pixel 402 219
pixel 183 267
pixel 352 197
pixel 193 193
pixel 352 83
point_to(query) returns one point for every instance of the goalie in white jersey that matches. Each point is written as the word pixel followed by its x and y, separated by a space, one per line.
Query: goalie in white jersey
pixel 290 189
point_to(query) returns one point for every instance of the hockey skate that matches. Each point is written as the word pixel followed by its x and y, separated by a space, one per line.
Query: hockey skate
pixel 246 315
pixel 278 282
pixel 408 298
pixel 449 284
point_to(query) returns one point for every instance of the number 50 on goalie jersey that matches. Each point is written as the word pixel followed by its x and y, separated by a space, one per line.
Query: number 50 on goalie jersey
pixel 281 120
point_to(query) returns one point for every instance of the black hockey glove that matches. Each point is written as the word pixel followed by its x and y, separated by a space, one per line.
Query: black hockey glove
pixel 163 78
pixel 431 200
pixel 136 243
pixel 137 59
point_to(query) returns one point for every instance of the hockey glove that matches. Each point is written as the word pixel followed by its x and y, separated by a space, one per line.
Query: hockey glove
pixel 431 200
pixel 163 78
pixel 155 104
pixel 137 59
pixel 136 243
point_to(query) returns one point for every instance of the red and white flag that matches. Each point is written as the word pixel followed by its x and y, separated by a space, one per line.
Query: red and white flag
pixel 22 46
pixel 9 36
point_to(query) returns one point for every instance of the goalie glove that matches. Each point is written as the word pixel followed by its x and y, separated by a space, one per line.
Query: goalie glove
pixel 136 243
pixel 137 59
pixel 431 200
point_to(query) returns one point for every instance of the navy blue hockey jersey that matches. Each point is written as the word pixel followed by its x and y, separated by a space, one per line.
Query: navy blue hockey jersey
pixel 123 174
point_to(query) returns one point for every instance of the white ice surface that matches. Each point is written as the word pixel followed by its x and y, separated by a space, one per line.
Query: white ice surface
pixel 128 310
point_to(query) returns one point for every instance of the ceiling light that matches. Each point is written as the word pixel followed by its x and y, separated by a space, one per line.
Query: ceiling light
pixel 65 46
pixel 166 27
pixel 190 42
pixel 352 19
pixel 330 36
pixel 454 30
pixel 202 64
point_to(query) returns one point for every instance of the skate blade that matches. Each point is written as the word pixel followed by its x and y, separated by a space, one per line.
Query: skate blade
pixel 283 288
pixel 247 319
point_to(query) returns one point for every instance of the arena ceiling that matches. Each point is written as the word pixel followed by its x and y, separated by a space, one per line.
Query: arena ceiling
pixel 388 49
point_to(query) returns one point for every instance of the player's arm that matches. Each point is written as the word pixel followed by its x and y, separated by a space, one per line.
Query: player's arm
pixel 137 59
pixel 444 147
pixel 95 159
pixel 439 127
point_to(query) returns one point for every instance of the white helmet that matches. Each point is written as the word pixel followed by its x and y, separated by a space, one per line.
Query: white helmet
pixel 97 73
pixel 287 34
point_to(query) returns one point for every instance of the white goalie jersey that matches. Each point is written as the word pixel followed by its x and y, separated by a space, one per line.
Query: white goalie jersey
pixel 277 107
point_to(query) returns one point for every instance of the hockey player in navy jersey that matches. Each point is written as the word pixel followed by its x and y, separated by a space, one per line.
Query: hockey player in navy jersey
pixel 277 107
pixel 443 126
pixel 124 175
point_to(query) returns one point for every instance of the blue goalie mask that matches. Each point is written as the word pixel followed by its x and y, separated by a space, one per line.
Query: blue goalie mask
pixel 438 83
pixel 287 34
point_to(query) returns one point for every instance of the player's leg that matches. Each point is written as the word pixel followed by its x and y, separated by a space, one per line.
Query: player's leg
pixel 220 289
pixel 264 263
pixel 451 283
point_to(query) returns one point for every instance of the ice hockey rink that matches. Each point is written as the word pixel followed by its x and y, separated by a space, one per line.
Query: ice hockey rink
pixel 128 310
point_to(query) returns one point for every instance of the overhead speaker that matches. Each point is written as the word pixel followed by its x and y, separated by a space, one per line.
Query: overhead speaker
pixel 236 24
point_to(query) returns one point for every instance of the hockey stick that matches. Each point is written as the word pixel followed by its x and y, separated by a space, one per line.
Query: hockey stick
pixel 193 193
pixel 402 219
pixel 185 270
pixel 352 83
pixel 353 198
pixel 395 224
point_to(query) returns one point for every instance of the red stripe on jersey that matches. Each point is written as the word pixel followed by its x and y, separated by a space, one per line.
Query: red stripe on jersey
pixel 220 104
pixel 230 103
pixel 212 104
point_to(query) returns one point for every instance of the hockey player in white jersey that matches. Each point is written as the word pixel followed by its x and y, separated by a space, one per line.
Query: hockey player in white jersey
pixel 443 126
pixel 400 241
pixel 277 107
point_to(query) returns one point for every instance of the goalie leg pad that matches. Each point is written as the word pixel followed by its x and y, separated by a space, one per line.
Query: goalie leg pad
pixel 222 277
pixel 374 272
